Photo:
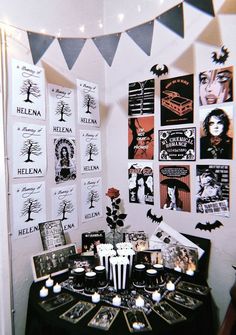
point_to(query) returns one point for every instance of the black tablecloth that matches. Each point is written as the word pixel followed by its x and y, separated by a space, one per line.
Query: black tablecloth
pixel 41 322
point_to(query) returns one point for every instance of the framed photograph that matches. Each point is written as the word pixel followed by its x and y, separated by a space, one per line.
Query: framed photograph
pixel 56 302
pixel 193 288
pixel 138 239
pixel 90 240
pixel 168 313
pixel 104 318
pixel 137 321
pixel 52 234
pixel 149 257
pixel 183 300
pixel 51 262
pixel 77 312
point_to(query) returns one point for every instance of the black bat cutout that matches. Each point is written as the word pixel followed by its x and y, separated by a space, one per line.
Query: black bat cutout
pixel 221 59
pixel 159 70
pixel 153 217
pixel 209 226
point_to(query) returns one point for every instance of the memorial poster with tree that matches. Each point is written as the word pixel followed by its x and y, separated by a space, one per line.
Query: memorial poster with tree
pixel 91 195
pixel 90 151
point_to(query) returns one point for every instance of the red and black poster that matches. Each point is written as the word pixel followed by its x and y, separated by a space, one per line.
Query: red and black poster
pixel 175 187
pixel 177 144
pixel 177 100
pixel 141 97
pixel 141 138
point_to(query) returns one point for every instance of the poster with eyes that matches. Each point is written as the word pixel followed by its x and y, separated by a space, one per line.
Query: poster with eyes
pixel 61 107
pixel 28 90
pixel 90 149
pixel 29 208
pixel 141 138
pixel 175 187
pixel 141 97
pixel 216 86
pixel 28 150
pixel 65 163
pixel 216 132
pixel 91 195
pixel 177 103
pixel 64 206
pixel 212 189
pixel 88 103
pixel 140 182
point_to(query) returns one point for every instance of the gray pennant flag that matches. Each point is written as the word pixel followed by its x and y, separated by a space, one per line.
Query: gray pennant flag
pixel 204 5
pixel 173 19
pixel 107 46
pixel 38 44
pixel 142 35
pixel 71 48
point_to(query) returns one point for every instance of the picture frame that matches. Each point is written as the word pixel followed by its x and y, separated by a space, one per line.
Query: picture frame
pixel 183 300
pixel 77 312
pixel 149 257
pixel 52 234
pixel 104 318
pixel 138 239
pixel 51 262
pixel 168 313
pixel 56 301
pixel 137 321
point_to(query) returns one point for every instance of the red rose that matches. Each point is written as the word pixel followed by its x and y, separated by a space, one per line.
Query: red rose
pixel 113 193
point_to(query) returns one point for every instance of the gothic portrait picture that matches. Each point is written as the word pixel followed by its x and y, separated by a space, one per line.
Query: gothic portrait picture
pixel 65 164
pixel 141 97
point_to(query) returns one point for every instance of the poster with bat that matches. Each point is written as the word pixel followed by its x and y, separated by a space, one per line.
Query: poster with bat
pixel 28 90
pixel 177 103
pixel 177 144
pixel 141 138
pixel 175 187
pixel 90 149
pixel 91 195
pixel 212 189
pixel 141 97
pixel 141 188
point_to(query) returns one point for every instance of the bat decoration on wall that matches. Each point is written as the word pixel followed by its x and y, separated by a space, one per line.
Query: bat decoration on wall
pixel 221 59
pixel 159 70
pixel 209 226
pixel 153 217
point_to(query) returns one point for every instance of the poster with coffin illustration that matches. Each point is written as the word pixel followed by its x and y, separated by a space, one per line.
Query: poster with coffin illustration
pixel 141 97
pixel 65 163
pixel 29 208
pixel 141 138
pixel 91 195
pixel 90 149
pixel 28 90
pixel 64 206
pixel 28 150
pixel 88 103
pixel 61 105
pixel 177 100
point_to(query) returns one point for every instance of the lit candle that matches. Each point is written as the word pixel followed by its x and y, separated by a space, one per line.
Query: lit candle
pixel 139 302
pixel 96 297
pixel 116 301
pixel 43 292
pixel 49 282
pixel 170 286
pixel 177 268
pixel 156 296
pixel 57 288
pixel 190 272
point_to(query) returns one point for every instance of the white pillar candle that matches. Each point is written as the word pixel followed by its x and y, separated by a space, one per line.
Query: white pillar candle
pixel 57 288
pixel 139 302
pixel 190 272
pixel 43 292
pixel 170 286
pixel 96 297
pixel 49 282
pixel 116 301
pixel 156 296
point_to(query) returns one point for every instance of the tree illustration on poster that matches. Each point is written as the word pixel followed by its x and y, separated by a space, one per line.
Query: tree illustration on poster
pixel 63 109
pixel 93 196
pixel 89 103
pixel 30 206
pixel 91 150
pixel 30 148
pixel 66 206
pixel 29 88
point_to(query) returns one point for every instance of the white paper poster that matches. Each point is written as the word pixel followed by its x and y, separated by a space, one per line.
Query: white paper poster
pixel 65 164
pixel 28 90
pixel 90 149
pixel 88 103
pixel 29 150
pixel 61 110
pixel 91 195
pixel 64 206
pixel 29 208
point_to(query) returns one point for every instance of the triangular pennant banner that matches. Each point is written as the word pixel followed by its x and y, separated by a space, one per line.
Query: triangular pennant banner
pixel 107 46
pixel 142 35
pixel 204 5
pixel 229 7
pixel 173 19
pixel 38 44
pixel 211 34
pixel 71 48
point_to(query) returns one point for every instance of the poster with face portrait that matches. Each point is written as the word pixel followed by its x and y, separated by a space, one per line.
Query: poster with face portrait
pixel 88 103
pixel 29 150
pixel 28 90
pixel 91 195
pixel 141 138
pixel 29 208
pixel 177 144
pixel 216 132
pixel 141 97
pixel 90 148
pixel 177 100
pixel 65 163
pixel 64 206
pixel 216 86
pixel 175 187
pixel 61 110
pixel 212 189
pixel 140 182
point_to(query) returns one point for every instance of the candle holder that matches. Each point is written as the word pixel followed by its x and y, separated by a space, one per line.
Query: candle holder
pixel 101 276
pixel 90 284
pixel 139 275
pixel 78 278
pixel 151 280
